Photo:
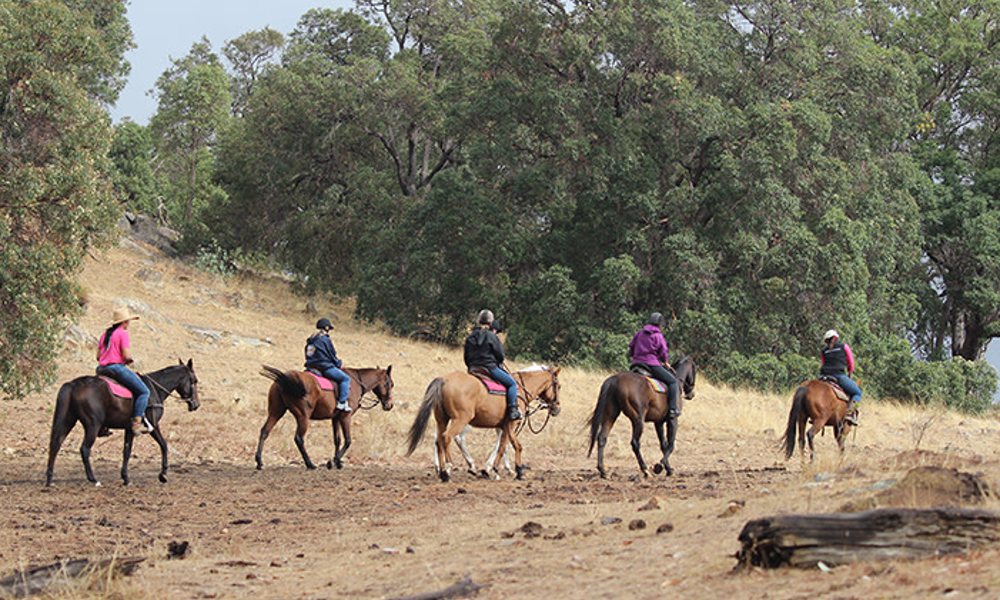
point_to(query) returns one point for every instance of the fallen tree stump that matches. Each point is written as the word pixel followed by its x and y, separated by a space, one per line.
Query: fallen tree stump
pixel 884 534
pixel 35 580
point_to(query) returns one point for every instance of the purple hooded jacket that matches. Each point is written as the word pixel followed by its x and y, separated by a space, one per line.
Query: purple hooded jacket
pixel 648 347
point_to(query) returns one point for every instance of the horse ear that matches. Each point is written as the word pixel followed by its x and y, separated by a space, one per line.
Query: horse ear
pixel 180 361
pixel 190 364
pixel 555 371
pixel 388 370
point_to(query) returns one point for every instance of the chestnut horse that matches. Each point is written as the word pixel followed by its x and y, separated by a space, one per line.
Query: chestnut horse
pixel 815 401
pixel 299 392
pixel 90 401
pixel 459 399
pixel 630 393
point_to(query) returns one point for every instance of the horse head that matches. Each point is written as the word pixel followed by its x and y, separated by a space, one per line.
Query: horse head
pixel 548 389
pixel 383 387
pixel 187 389
pixel 686 372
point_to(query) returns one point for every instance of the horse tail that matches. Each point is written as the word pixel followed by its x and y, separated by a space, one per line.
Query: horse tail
pixel 59 417
pixel 431 397
pixel 291 387
pixel 603 399
pixel 798 405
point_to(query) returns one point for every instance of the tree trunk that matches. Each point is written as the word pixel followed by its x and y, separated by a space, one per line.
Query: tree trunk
pixel 884 534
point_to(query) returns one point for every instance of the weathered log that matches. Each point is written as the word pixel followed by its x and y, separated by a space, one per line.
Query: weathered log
pixel 34 580
pixel 884 534
pixel 463 589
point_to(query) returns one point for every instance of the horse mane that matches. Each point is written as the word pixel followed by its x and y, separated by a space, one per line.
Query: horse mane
pixel 533 368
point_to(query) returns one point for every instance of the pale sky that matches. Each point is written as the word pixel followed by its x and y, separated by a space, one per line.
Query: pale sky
pixel 166 30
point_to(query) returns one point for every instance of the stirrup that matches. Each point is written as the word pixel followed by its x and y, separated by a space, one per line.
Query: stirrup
pixel 514 414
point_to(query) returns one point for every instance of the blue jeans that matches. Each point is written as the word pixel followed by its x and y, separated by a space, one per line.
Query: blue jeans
pixel 849 386
pixel 508 382
pixel 342 379
pixel 129 379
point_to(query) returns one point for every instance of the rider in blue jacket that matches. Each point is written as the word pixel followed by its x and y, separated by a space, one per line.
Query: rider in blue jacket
pixel 322 356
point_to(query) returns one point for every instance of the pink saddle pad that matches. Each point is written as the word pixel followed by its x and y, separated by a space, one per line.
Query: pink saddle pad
pixel 116 388
pixel 324 384
pixel 492 387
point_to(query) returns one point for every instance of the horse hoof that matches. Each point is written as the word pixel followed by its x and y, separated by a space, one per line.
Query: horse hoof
pixel 445 477
pixel 604 474
pixel 339 464
pixel 311 467
pixel 670 471
pixel 163 478
pixel 259 466
pixel 97 484
pixel 645 473
pixel 519 473
pixel 484 474
pixel 329 464
pixel 657 468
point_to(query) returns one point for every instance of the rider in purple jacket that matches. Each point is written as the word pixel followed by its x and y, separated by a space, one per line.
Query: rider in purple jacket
pixel 649 349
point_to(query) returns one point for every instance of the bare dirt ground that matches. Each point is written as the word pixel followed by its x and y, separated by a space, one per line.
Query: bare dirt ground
pixel 384 526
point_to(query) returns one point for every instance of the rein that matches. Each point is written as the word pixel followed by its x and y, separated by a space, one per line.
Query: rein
pixel 166 393
pixel 533 403
pixel 364 390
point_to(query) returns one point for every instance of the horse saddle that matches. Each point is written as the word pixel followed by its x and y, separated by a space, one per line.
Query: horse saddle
pixel 832 382
pixel 656 384
pixel 492 385
pixel 324 384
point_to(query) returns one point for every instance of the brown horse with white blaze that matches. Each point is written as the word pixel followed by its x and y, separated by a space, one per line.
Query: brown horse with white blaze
pixel 299 392
pixel 815 401
pixel 459 399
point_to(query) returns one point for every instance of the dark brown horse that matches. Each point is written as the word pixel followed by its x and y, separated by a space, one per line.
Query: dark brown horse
pixel 630 393
pixel 90 401
pixel 815 401
pixel 459 399
pixel 299 392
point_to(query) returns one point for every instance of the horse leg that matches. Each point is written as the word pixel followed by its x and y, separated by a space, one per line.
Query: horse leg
pixel 602 437
pixel 89 437
pixel 818 425
pixel 126 453
pixel 469 461
pixel 345 425
pixel 452 429
pixel 161 441
pixel 275 410
pixel 496 450
pixel 336 441
pixel 300 434
pixel 59 433
pixel 512 438
pixel 637 424
pixel 666 444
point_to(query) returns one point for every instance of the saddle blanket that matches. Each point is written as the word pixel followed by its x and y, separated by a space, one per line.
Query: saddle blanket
pixel 837 390
pixel 116 388
pixel 324 384
pixel 657 385
pixel 492 387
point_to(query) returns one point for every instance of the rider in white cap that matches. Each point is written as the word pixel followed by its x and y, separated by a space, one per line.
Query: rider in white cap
pixel 838 362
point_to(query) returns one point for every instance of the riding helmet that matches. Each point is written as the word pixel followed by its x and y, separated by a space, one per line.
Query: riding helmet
pixel 656 319
pixel 485 317
pixel 324 324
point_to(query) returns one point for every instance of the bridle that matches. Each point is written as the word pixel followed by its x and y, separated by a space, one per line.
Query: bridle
pixel 534 402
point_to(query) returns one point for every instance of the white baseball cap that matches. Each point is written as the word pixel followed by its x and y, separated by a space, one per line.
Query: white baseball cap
pixel 830 334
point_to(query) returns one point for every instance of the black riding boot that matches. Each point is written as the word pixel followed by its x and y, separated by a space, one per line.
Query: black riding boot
pixel 672 410
pixel 513 413
pixel 852 414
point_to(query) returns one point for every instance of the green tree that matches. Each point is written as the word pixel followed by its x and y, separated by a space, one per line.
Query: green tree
pixel 60 62
pixel 194 101
pixel 249 55
pixel 132 154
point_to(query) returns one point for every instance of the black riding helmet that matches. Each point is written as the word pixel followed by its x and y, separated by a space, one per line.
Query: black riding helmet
pixel 324 324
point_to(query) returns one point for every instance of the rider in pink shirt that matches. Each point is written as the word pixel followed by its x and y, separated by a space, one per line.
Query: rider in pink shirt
pixel 113 354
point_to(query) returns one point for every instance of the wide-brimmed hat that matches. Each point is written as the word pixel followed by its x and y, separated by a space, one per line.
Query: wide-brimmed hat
pixel 123 314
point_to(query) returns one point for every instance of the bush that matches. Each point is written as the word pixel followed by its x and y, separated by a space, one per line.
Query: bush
pixel 765 372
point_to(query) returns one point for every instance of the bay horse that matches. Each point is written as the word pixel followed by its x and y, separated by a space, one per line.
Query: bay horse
pixel 300 393
pixel 459 399
pixel 815 401
pixel 89 400
pixel 631 393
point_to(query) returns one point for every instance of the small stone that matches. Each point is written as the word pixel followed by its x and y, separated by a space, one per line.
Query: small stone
pixel 665 528
pixel 531 529
pixel 556 536
pixel 461 491
pixel 636 524
pixel 652 504
pixel 411 550
pixel 373 547
pixel 251 576
pixel 610 520
pixel 390 550
pixel 277 563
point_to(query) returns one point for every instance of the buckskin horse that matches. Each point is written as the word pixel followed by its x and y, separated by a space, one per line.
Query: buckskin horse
pixel 634 395
pixel 459 399
pixel 815 401
pixel 301 393
pixel 90 401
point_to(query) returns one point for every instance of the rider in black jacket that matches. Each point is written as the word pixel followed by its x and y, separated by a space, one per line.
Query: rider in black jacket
pixel 483 350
